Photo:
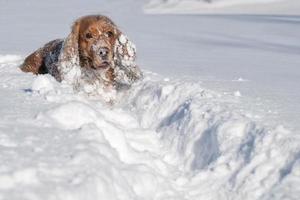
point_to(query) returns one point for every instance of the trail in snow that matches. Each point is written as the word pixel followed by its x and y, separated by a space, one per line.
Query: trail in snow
pixel 164 139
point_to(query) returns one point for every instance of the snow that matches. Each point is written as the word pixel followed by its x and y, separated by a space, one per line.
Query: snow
pixel 42 84
pixel 164 139
pixel 202 124
pixel 237 93
pixel 275 7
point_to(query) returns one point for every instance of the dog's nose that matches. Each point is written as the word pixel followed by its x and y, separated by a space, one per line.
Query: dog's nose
pixel 103 52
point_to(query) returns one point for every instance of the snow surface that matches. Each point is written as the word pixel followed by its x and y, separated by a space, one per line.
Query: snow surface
pixel 218 120
pixel 275 7
pixel 165 139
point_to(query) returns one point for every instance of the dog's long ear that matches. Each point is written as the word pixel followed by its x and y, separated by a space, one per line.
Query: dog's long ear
pixel 68 61
pixel 125 68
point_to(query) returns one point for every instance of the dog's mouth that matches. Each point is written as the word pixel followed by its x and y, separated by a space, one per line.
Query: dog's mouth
pixel 103 65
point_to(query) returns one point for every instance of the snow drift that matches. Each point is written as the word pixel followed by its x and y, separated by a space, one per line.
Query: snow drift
pixel 164 139
pixel 291 7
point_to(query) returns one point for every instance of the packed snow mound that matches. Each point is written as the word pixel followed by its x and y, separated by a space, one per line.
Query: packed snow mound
pixel 291 7
pixel 163 139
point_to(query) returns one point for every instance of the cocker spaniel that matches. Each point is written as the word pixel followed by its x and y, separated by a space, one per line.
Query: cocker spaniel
pixel 95 56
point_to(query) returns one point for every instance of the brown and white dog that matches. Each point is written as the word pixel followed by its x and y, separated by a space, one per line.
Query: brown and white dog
pixel 95 55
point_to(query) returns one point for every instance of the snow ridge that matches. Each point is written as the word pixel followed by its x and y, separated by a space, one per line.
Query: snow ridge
pixel 289 7
pixel 163 139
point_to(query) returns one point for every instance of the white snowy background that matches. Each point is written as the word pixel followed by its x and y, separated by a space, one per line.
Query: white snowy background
pixel 216 116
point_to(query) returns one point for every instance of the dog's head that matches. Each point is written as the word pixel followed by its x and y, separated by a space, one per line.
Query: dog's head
pixel 96 44
pixel 96 38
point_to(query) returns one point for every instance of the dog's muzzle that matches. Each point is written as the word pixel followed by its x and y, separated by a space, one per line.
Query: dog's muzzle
pixel 103 53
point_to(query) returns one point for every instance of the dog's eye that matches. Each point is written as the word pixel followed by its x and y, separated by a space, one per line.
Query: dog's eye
pixel 109 34
pixel 88 35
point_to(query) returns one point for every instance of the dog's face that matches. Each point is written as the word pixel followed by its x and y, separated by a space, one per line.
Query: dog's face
pixel 96 38
pixel 98 47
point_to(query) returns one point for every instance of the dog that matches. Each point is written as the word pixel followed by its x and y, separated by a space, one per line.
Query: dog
pixel 95 55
